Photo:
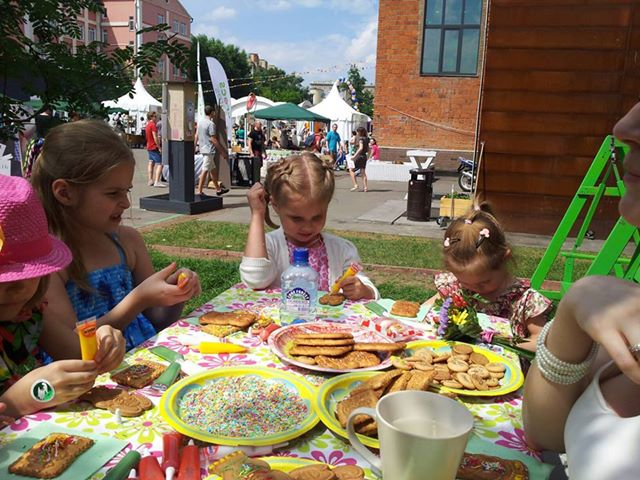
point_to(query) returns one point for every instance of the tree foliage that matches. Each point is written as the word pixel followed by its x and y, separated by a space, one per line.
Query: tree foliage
pixel 364 97
pixel 274 84
pixel 48 68
pixel 233 59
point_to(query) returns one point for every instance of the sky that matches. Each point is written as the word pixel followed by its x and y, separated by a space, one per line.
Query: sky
pixel 318 39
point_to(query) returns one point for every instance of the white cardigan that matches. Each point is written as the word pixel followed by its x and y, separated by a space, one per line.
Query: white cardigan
pixel 260 273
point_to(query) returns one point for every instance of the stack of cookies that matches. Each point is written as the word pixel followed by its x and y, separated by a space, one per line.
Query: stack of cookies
pixel 369 392
pixel 221 324
pixel 338 351
pixel 460 368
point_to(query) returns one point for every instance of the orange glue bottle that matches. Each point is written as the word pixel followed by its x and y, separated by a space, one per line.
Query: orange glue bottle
pixel 353 269
pixel 183 279
pixel 87 333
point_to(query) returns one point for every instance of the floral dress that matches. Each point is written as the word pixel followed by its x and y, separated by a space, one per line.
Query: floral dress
pixel 518 304
pixel 19 351
pixel 318 260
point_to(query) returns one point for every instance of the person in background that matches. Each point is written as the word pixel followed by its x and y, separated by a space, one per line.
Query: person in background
pixel 154 166
pixel 208 144
pixel 374 154
pixel 359 159
pixel 583 389
pixel 299 188
pixel 257 141
pixel 477 256
pixel 24 277
pixel 83 178
pixel 240 136
pixel 334 143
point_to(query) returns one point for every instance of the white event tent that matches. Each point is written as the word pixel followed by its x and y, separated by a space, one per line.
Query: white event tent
pixel 142 101
pixel 340 112
pixel 239 106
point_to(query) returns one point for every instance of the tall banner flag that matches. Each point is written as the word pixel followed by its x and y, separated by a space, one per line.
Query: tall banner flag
pixel 221 90
pixel 200 112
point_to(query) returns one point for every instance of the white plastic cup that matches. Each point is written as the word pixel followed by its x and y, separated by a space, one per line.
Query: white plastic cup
pixel 422 435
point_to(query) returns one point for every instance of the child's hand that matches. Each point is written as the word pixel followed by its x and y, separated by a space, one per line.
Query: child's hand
pixel 186 280
pixel 69 379
pixel 256 197
pixel 354 289
pixel 111 348
pixel 158 291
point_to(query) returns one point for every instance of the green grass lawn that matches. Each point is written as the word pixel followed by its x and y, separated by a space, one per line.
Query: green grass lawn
pixel 373 248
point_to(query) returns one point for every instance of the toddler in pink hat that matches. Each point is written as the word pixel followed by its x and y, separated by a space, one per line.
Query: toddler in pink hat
pixel 28 256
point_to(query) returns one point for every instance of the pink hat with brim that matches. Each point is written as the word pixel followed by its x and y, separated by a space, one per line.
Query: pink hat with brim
pixel 27 250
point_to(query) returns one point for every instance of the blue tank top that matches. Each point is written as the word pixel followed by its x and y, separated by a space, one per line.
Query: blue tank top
pixel 111 285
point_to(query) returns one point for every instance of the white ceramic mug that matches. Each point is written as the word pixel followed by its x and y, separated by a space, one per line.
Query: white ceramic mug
pixel 422 435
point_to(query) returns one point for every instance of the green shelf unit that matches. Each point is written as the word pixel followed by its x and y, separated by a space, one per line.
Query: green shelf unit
pixel 609 260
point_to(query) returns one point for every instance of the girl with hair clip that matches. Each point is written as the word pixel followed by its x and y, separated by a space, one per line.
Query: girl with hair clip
pixel 29 255
pixel 299 188
pixel 582 393
pixel 476 254
pixel 83 177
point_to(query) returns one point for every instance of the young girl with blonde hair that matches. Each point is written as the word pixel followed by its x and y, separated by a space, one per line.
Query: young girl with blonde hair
pixel 29 255
pixel 83 177
pixel 477 256
pixel 299 188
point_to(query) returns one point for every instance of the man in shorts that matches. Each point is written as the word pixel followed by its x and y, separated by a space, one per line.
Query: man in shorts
pixel 208 143
pixel 154 168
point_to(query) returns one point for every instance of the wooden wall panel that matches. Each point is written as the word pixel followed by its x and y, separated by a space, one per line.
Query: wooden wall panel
pixel 559 73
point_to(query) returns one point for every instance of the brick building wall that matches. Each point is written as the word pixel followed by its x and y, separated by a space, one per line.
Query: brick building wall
pixel 413 110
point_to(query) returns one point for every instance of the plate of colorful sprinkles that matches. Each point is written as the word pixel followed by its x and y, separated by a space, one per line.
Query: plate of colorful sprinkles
pixel 241 406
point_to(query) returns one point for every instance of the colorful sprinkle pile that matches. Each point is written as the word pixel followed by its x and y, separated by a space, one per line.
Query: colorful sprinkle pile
pixel 246 407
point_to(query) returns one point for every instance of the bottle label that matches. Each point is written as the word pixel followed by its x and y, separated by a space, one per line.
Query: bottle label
pixel 297 300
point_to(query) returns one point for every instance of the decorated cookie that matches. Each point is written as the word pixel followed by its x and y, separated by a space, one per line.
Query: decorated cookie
pixel 112 399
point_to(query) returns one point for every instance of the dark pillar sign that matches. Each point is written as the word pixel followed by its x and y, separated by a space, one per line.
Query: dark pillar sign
pixel 181 131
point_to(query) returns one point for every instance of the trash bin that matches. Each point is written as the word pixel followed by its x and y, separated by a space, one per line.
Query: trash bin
pixel 419 194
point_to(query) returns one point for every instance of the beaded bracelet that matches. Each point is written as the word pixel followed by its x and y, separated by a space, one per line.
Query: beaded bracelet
pixel 556 370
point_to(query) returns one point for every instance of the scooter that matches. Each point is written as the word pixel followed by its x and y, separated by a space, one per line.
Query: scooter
pixel 466 174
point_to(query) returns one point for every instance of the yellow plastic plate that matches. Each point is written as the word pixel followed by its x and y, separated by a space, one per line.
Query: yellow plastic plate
pixel 170 404
pixel 513 376
pixel 331 393
pixel 286 464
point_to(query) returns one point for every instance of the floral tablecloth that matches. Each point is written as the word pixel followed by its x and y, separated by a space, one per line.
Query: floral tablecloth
pixel 497 420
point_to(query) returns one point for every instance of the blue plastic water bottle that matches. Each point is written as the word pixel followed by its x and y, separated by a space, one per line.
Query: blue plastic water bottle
pixel 299 290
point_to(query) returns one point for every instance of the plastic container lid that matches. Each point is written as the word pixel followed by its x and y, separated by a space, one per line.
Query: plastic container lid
pixel 300 255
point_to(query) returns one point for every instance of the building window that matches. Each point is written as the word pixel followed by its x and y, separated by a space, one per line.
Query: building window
pixel 92 34
pixel 81 32
pixel 176 26
pixel 160 66
pixel 451 37
pixel 105 36
pixel 132 24
pixel 183 29
pixel 160 19
pixel 176 71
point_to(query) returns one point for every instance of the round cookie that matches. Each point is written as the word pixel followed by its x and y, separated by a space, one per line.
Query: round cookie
pixel 348 472
pixel 465 380
pixel 332 299
pixel 462 349
pixel 312 472
pixel 495 367
pixel 478 358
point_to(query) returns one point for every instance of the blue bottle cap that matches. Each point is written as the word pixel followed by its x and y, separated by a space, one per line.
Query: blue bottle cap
pixel 300 255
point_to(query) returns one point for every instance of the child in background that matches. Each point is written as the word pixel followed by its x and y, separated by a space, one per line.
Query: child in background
pixel 477 255
pixel 28 256
pixel 83 177
pixel 374 153
pixel 299 188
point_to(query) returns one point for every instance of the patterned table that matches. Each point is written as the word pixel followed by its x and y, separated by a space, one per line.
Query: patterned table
pixel 497 420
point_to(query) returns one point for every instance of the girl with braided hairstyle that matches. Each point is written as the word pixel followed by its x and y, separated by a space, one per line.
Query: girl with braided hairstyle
pixel 476 254
pixel 299 188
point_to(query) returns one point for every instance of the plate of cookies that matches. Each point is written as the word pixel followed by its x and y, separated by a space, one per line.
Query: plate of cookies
pixel 461 367
pixel 333 347
pixel 241 406
pixel 339 396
